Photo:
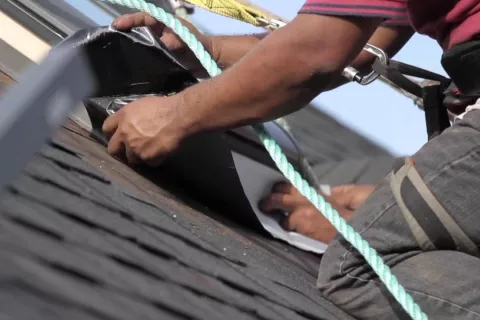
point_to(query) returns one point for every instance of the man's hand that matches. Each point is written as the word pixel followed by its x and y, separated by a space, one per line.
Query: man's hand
pixel 304 218
pixel 169 38
pixel 146 130
pixel 351 196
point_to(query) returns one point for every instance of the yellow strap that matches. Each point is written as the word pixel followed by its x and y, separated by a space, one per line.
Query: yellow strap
pixel 231 9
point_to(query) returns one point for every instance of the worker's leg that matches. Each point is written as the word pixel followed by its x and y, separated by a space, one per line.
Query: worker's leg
pixel 446 284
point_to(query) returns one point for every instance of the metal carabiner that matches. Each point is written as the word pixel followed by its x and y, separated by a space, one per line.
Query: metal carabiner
pixel 353 74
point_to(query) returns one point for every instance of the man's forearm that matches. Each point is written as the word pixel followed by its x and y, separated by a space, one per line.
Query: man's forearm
pixel 278 76
pixel 227 50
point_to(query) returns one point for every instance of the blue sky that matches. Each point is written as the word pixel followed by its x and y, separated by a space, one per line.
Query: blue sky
pixel 375 111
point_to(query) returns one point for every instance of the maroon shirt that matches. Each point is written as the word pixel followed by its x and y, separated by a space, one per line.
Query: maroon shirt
pixel 450 22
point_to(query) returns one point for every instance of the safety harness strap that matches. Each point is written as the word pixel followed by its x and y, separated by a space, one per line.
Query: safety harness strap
pixel 410 70
pixel 436 113
pixel 393 75
pixel 432 226
pixel 420 235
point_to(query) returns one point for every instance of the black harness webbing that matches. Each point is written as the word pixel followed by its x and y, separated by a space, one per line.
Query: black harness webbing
pixel 462 64
pixel 436 113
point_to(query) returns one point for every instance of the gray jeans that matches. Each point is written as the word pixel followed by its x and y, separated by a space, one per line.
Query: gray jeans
pixel 446 284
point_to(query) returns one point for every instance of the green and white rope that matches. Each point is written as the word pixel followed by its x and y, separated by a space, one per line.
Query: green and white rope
pixel 370 254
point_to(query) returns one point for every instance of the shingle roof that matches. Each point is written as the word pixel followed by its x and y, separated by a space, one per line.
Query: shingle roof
pixel 84 236
pixel 324 139
pixel 338 154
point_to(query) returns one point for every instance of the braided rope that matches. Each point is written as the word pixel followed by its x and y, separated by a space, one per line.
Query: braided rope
pixel 370 254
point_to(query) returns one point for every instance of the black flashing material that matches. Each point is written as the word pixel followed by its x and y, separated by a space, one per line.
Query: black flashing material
pixel 119 78
pixel 134 63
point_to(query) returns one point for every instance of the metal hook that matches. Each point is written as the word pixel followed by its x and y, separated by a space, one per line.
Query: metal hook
pixel 353 74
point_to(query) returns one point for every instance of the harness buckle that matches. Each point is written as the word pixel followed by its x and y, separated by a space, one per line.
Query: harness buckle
pixel 353 74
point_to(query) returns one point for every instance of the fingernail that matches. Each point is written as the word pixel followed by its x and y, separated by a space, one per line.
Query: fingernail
pixel 115 23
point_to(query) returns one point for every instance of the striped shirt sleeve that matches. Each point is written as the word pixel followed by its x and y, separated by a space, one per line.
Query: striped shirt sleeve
pixel 393 11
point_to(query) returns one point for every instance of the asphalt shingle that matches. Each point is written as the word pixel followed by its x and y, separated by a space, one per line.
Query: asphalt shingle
pixel 74 243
